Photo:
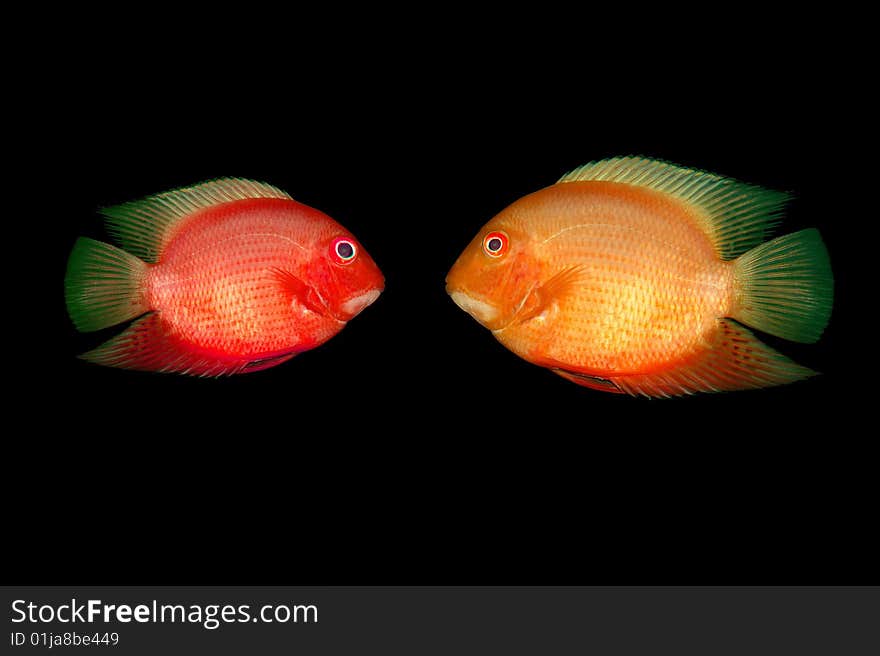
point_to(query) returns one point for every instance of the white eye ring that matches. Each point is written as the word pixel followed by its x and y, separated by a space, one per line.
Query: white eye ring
pixel 344 250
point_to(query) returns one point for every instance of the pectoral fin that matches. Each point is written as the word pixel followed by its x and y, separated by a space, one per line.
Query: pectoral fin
pixel 553 290
pixel 298 290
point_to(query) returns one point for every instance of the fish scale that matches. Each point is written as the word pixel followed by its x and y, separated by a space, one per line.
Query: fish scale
pixel 643 275
pixel 230 279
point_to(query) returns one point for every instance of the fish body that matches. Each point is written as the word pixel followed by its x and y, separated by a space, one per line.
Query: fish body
pixel 233 276
pixel 632 275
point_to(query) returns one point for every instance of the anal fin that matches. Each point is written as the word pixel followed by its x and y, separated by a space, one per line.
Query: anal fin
pixel 734 360
pixel 148 345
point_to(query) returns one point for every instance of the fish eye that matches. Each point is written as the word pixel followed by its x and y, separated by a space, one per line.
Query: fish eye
pixel 495 244
pixel 343 250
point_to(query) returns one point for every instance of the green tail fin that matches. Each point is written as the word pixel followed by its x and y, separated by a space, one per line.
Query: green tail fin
pixel 103 286
pixel 785 287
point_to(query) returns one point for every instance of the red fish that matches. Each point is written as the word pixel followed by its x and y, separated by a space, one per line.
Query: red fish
pixel 638 276
pixel 231 276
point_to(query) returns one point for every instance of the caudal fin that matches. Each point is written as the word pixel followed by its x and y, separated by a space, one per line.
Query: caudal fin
pixel 785 287
pixel 103 286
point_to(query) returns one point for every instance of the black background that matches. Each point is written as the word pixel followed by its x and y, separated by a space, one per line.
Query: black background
pixel 413 448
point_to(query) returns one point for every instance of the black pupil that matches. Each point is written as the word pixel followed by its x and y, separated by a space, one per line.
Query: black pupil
pixel 344 250
pixel 494 244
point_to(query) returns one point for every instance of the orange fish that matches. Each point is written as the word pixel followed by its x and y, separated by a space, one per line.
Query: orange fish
pixel 637 276
pixel 232 276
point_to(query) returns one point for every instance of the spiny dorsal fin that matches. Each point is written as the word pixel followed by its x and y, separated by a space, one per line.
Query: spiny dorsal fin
pixel 737 216
pixel 142 226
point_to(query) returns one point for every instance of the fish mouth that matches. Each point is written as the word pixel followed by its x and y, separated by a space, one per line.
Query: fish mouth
pixel 483 312
pixel 354 306
pixel 489 315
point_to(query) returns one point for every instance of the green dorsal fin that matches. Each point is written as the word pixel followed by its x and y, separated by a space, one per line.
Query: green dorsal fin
pixel 142 226
pixel 737 216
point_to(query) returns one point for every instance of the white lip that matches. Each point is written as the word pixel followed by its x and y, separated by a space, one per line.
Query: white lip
pixel 358 303
pixel 479 310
